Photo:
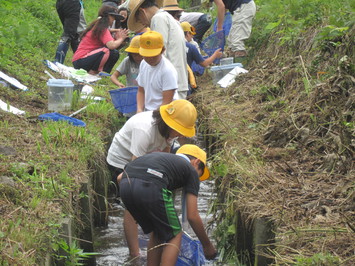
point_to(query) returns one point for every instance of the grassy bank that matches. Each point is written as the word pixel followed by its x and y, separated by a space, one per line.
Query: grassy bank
pixel 285 135
pixel 43 164
pixel 284 131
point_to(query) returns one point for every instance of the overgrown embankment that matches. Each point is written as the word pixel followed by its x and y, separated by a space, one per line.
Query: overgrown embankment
pixel 285 135
pixel 44 164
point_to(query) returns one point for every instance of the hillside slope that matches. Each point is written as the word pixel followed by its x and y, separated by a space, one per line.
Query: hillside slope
pixel 285 140
pixel 282 137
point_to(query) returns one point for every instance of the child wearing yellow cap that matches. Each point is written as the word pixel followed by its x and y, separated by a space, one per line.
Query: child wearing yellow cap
pixel 193 55
pixel 147 187
pixel 157 79
pixel 129 66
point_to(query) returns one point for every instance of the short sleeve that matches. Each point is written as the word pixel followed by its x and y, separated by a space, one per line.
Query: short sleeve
pixel 123 67
pixel 106 37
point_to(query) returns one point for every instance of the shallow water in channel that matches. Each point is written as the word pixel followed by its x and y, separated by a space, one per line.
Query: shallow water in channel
pixel 110 241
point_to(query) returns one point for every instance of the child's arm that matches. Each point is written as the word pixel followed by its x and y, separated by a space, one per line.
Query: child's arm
pixel 140 99
pixel 168 96
pixel 196 223
pixel 114 79
pixel 217 54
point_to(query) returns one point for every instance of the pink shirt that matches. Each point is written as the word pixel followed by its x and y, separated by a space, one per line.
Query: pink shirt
pixel 89 44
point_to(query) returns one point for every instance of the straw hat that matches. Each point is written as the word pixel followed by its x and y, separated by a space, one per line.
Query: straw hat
pixel 132 23
pixel 171 5
pixel 134 45
pixel 195 151
pixel 181 116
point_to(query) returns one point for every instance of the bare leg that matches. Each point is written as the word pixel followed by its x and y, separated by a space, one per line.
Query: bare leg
pixel 171 251
pixel 131 233
pixel 154 252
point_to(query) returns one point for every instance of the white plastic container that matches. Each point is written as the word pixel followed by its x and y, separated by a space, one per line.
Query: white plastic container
pixel 60 94
pixel 219 72
pixel 226 61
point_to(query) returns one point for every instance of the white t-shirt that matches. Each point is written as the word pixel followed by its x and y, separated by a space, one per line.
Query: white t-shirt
pixel 137 137
pixel 174 42
pixel 155 80
pixel 130 69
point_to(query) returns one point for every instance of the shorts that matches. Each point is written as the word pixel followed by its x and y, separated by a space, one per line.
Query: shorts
pixel 152 206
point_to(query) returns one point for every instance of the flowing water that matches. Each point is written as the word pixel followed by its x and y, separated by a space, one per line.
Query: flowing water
pixel 110 241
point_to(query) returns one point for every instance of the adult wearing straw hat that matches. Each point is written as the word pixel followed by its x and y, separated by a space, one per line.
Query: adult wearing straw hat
pixel 146 13
pixel 172 7
pixel 156 176
pixel 144 133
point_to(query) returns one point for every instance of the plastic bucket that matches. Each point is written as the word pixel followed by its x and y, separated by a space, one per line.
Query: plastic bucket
pixel 125 99
pixel 60 94
pixel 191 252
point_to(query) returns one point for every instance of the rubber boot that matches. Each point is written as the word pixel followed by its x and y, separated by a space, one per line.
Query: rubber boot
pixel 62 50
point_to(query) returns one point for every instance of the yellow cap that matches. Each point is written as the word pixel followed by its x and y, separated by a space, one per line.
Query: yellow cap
pixel 134 45
pixel 151 44
pixel 187 27
pixel 181 116
pixel 198 153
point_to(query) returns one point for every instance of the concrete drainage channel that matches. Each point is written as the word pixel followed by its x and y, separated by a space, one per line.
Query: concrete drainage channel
pixel 110 241
pixel 102 226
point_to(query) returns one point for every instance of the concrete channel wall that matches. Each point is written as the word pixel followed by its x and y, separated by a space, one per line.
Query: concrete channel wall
pixel 254 238
pixel 93 210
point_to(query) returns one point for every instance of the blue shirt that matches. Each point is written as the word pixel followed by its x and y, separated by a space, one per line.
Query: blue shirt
pixel 193 54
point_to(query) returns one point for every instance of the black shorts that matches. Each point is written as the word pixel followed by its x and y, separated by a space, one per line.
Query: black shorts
pixel 152 206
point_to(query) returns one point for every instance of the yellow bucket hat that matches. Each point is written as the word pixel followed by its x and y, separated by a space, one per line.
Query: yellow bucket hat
pixel 187 27
pixel 151 44
pixel 198 153
pixel 181 116
pixel 134 45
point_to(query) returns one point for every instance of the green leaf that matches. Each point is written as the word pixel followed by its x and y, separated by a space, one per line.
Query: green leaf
pixel 231 230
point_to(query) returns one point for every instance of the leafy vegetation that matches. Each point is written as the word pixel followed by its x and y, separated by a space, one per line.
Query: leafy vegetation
pixel 285 137
pixel 282 137
pixel 44 163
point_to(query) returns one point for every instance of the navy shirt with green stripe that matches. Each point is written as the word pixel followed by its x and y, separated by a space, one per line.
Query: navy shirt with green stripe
pixel 168 170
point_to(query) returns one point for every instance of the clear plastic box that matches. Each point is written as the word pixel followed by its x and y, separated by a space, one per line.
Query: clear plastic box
pixel 219 72
pixel 60 94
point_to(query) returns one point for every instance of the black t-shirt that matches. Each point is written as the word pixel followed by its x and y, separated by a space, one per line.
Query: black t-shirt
pixel 169 170
pixel 232 5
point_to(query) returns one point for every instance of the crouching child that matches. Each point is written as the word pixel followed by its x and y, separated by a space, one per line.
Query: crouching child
pixel 146 187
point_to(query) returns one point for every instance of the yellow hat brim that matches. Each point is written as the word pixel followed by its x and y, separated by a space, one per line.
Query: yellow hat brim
pixel 132 50
pixel 149 52
pixel 205 175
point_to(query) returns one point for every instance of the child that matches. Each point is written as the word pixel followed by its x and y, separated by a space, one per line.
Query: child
pixel 129 66
pixel 144 133
pixel 193 55
pixel 157 78
pixel 147 186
